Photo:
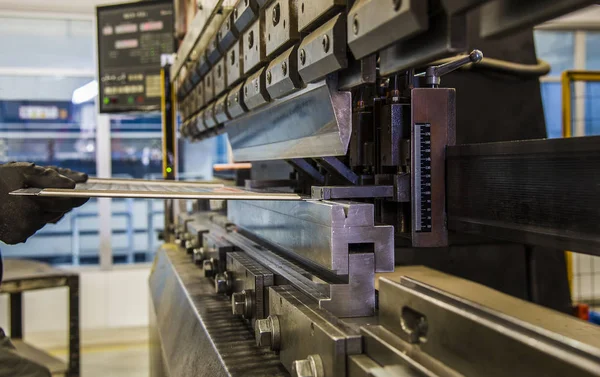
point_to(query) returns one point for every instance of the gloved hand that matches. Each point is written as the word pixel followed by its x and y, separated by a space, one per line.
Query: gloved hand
pixel 22 216
pixel 77 177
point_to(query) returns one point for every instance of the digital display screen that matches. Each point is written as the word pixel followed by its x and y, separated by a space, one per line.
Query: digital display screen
pixel 131 39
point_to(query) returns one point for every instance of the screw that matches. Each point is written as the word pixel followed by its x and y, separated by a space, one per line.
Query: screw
pixel 256 85
pixel 241 303
pixel 235 98
pixel 198 255
pixel 232 58
pixel 276 11
pixel 246 91
pixel 397 4
pixel 302 56
pixel 269 77
pixel 267 332
pixel 251 39
pixel 222 283
pixel 208 268
pixel 355 24
pixel 284 68
pixel 325 42
pixel 312 366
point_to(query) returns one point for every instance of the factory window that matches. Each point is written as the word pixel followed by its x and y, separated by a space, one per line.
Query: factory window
pixel 556 48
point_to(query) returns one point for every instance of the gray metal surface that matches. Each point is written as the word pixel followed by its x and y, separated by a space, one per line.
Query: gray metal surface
pixel 307 330
pixel 255 90
pixel 208 115
pixel 445 37
pixel 235 63
pixel 248 275
pixel 502 329
pixel 501 17
pixel 227 34
pixel 324 50
pixel 254 46
pixel 156 190
pixel 351 192
pixel 273 133
pixel 537 192
pixel 221 113
pixel 311 12
pixel 282 74
pixel 235 101
pixel 200 26
pixel 281 25
pixel 198 334
pixel 324 233
pixel 220 76
pixel 372 24
pixel 244 13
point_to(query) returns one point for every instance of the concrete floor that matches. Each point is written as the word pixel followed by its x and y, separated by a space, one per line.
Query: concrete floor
pixel 112 353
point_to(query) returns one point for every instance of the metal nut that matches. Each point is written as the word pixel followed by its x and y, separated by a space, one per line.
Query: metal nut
pixel 267 332
pixel 325 42
pixel 221 283
pixel 208 268
pixel 241 303
pixel 312 366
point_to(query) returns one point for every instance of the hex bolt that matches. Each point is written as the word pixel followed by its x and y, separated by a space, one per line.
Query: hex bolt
pixel 241 303
pixel 269 77
pixel 198 255
pixel 302 56
pixel 312 366
pixel 284 68
pixel 222 283
pixel 355 24
pixel 325 42
pixel 276 12
pixel 208 268
pixel 267 332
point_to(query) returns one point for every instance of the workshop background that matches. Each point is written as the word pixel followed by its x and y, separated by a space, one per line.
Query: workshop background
pixel 47 62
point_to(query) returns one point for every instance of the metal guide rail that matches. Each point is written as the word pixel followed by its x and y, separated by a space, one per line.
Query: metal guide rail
pixel 269 309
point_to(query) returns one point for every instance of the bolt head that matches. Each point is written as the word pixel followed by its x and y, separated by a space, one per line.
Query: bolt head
pixel 221 283
pixel 302 56
pixel 302 368
pixel 325 42
pixel 238 303
pixel 208 268
pixel 263 332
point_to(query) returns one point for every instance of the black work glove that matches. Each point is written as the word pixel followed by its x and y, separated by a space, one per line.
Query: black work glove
pixel 22 216
pixel 76 176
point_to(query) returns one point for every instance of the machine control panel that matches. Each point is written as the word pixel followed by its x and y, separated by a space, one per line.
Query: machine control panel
pixel 131 39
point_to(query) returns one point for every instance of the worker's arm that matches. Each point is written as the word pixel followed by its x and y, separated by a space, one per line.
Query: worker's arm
pixel 22 216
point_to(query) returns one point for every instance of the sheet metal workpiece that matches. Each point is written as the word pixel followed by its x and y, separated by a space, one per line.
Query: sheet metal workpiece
pixel 251 278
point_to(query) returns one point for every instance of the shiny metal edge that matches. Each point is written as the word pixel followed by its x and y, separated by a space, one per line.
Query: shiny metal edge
pixel 273 132
pixel 75 193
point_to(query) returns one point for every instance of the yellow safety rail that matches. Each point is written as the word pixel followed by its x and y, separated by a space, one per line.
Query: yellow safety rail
pixel 567 78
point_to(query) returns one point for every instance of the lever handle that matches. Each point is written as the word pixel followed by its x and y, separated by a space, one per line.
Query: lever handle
pixel 434 73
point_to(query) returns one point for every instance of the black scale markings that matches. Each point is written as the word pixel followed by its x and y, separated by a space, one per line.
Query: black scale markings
pixel 423 176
